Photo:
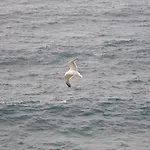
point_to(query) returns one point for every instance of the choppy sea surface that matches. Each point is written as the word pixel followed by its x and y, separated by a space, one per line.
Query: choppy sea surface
pixel 109 109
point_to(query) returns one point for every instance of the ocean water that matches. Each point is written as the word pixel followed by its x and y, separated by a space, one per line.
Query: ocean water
pixel 109 109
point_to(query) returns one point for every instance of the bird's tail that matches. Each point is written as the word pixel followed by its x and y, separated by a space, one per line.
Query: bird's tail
pixel 79 75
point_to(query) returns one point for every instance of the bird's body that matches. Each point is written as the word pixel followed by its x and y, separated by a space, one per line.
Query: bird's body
pixel 73 71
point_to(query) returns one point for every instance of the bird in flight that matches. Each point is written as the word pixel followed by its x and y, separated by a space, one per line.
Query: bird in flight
pixel 73 71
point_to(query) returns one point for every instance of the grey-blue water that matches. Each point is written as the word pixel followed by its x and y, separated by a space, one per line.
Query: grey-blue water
pixel 109 109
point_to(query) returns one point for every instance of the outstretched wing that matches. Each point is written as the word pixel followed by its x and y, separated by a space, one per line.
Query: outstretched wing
pixel 67 78
pixel 72 65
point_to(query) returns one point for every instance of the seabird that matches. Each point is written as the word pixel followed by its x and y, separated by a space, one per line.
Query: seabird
pixel 73 71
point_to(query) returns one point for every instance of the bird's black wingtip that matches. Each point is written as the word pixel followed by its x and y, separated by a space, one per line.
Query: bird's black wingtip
pixel 69 85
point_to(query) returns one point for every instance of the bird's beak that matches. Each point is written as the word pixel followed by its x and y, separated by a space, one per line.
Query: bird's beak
pixel 79 75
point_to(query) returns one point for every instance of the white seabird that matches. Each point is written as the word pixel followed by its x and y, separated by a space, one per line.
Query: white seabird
pixel 73 71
